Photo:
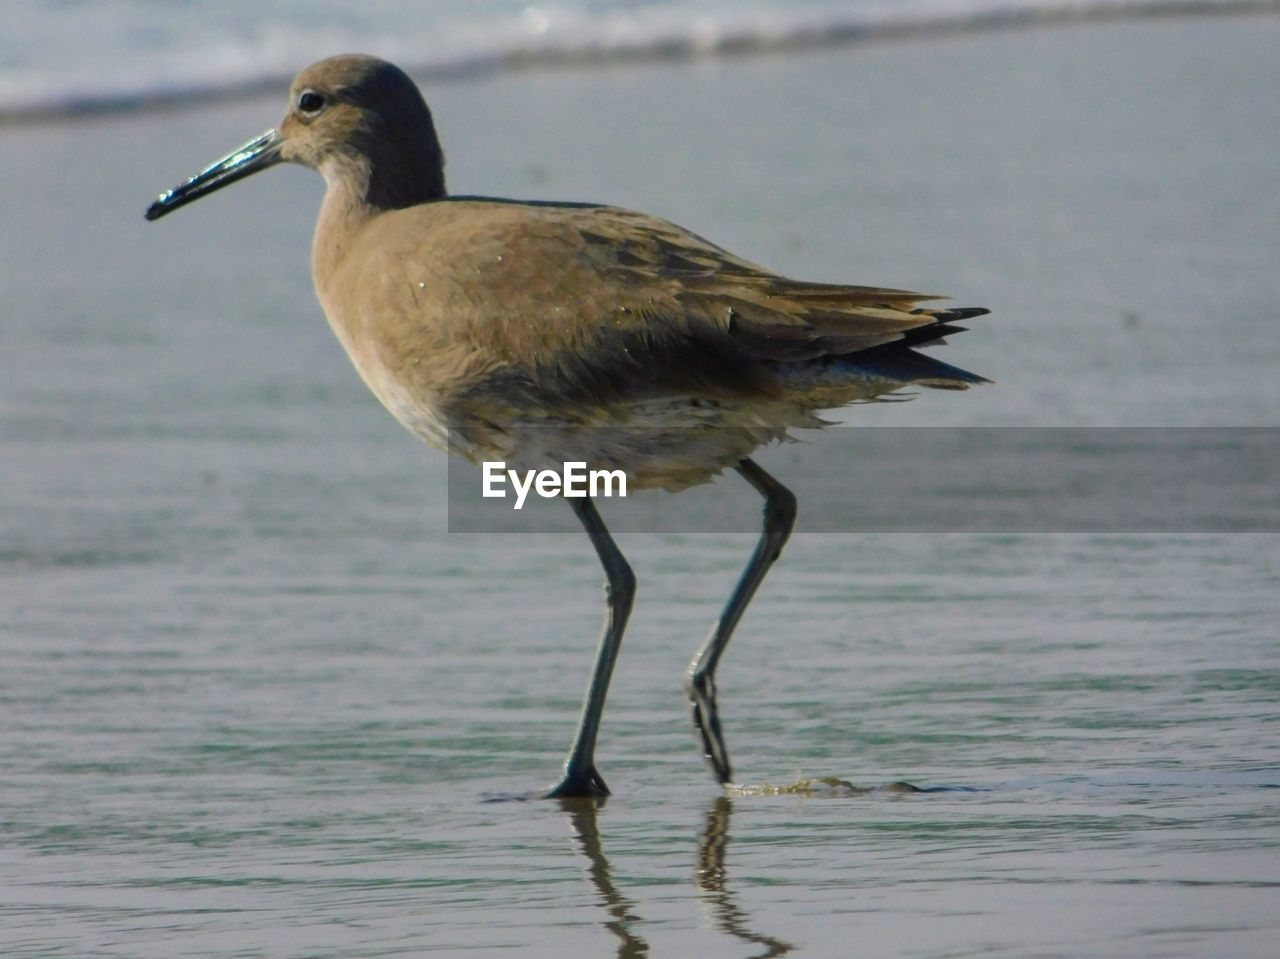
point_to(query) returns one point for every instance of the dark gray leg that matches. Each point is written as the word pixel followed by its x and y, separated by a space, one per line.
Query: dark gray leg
pixel 580 777
pixel 700 684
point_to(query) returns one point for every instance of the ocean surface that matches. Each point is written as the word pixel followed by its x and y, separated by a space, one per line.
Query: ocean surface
pixel 257 700
pixel 71 57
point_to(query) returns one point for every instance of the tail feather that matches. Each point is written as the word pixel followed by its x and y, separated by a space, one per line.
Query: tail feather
pixel 897 362
pixel 878 372
pixel 953 314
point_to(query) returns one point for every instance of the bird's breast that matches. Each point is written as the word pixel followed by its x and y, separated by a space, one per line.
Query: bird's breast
pixel 392 338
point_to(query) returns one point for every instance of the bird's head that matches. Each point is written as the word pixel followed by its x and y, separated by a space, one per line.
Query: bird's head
pixel 359 120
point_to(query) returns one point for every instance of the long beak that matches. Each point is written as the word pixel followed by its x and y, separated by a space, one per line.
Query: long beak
pixel 258 154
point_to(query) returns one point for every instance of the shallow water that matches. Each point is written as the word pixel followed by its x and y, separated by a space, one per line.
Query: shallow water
pixel 257 702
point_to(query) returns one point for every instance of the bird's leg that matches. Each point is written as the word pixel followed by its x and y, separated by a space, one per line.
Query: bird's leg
pixel 700 683
pixel 580 777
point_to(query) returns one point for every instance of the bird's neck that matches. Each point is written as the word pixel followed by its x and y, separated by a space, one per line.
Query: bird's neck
pixel 359 189
pixel 343 212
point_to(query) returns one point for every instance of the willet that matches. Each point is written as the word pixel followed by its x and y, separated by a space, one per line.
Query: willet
pixel 533 331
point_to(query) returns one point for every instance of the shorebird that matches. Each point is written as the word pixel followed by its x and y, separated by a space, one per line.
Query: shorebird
pixel 541 332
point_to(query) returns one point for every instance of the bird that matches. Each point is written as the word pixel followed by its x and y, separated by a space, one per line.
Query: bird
pixel 537 331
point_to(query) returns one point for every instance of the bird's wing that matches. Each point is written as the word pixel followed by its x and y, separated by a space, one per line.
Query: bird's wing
pixel 769 317
pixel 609 305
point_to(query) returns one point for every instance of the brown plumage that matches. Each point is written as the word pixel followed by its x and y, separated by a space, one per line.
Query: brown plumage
pixel 543 332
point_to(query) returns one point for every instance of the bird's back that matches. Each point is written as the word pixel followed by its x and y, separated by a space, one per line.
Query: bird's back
pixel 489 318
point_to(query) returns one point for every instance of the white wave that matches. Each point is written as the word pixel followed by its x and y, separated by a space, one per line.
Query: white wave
pixel 539 35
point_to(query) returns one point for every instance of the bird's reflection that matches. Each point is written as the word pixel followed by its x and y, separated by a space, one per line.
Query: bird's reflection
pixel 709 878
pixel 585 822
pixel 728 916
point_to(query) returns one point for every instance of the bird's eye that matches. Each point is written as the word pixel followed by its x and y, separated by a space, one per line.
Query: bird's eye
pixel 310 102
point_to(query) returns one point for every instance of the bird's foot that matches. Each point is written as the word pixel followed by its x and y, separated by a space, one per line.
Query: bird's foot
pixel 578 784
pixel 701 691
